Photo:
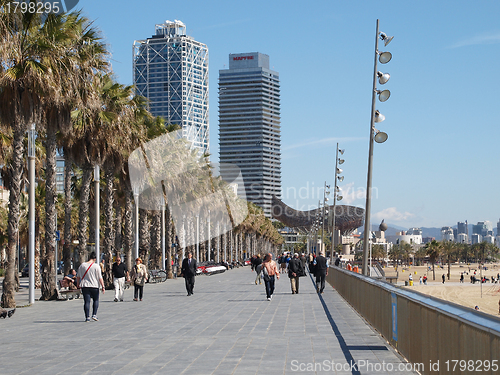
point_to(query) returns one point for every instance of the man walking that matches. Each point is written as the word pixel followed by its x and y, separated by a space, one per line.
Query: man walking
pixel 119 271
pixel 270 271
pixel 321 271
pixel 188 270
pixel 89 278
pixel 295 270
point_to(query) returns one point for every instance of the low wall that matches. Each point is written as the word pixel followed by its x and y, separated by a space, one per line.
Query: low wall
pixel 424 329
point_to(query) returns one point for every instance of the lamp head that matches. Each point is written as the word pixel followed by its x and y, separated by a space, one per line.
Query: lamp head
pixel 380 137
pixel 383 77
pixel 383 95
pixel 341 161
pixel 386 39
pixel 340 197
pixel 384 57
pixel 379 117
pixel 342 152
pixel 340 178
pixel 339 171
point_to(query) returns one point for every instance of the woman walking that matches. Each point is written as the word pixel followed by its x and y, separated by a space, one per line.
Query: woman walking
pixel 139 276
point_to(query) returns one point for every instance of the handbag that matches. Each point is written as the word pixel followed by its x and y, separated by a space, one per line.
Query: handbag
pixel 138 280
pixel 265 274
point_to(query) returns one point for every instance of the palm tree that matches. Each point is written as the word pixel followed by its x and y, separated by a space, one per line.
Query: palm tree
pixel 25 80
pixel 434 252
pixel 449 250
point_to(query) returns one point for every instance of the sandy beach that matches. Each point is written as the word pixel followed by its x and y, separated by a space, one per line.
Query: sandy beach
pixel 465 294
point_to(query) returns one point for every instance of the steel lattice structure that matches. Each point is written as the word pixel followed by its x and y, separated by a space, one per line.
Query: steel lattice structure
pixel 347 218
pixel 171 70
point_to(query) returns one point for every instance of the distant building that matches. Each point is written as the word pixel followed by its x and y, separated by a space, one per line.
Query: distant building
pixel 250 127
pixel 171 71
pixel 428 239
pixel 447 234
pixel 461 227
pixel 462 238
pixel 412 236
pixel 476 238
pixel 483 228
pixel 489 239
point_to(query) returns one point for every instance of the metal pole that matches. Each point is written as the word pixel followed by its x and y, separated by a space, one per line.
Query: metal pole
pixel 218 243
pixel 334 230
pixel 97 213
pixel 164 260
pixel 209 241
pixel 197 238
pixel 370 157
pixel 31 159
pixel 323 221
pixel 183 238
pixel 136 199
pixel 56 251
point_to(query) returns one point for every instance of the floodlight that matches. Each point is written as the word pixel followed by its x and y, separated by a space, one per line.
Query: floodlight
pixel 379 117
pixel 383 77
pixel 384 57
pixel 383 95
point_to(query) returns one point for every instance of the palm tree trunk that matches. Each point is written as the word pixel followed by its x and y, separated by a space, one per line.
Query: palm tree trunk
pixel 68 169
pixel 84 215
pixel 48 289
pixel 16 171
pixel 144 235
pixel 155 255
pixel 118 227
pixel 128 227
pixel 109 232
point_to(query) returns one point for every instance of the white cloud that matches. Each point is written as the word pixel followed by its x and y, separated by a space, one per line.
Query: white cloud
pixel 491 38
pixel 391 214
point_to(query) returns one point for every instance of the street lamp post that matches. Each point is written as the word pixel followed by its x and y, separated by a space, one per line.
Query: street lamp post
pixel 162 208
pixel 136 200
pixel 378 136
pixel 31 168
pixel 97 213
pixel 325 212
pixel 336 190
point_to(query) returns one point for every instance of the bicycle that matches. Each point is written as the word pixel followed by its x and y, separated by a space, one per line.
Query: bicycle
pixel 157 276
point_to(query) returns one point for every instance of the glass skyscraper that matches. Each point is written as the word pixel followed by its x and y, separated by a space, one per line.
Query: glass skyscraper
pixel 171 70
pixel 250 126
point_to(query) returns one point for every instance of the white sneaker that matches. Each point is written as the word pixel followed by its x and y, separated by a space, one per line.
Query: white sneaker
pixel 269 299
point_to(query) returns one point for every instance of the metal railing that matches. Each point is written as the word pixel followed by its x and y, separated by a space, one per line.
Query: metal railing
pixel 424 329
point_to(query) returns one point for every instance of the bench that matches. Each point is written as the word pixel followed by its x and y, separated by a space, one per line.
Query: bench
pixel 65 293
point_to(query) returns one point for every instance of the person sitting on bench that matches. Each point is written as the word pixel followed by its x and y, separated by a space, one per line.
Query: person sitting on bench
pixel 70 280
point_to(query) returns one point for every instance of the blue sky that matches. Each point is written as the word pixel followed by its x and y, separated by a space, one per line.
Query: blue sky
pixel 439 165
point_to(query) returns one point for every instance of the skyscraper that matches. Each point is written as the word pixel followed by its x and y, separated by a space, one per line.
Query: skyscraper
pixel 171 70
pixel 250 126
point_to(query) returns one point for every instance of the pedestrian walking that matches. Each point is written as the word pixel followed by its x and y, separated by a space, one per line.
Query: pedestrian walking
pixel 258 268
pixel 188 271
pixel 139 276
pixel 119 271
pixel 321 271
pixel 89 279
pixel 443 277
pixel 270 272
pixel 295 270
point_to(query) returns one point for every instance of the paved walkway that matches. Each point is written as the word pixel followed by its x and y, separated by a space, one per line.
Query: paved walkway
pixel 226 327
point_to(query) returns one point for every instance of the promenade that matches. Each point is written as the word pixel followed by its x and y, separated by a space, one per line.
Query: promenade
pixel 226 327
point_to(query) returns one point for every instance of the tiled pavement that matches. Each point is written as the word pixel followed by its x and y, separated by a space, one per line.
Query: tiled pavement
pixel 226 327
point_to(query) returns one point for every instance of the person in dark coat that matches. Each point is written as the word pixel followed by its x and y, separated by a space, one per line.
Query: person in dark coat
pixel 321 271
pixel 295 270
pixel 257 265
pixel 188 271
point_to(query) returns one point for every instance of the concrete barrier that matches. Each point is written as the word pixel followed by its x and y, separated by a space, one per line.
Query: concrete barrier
pixel 441 336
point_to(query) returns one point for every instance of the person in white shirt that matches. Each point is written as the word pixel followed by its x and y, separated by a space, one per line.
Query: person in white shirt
pixel 89 279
